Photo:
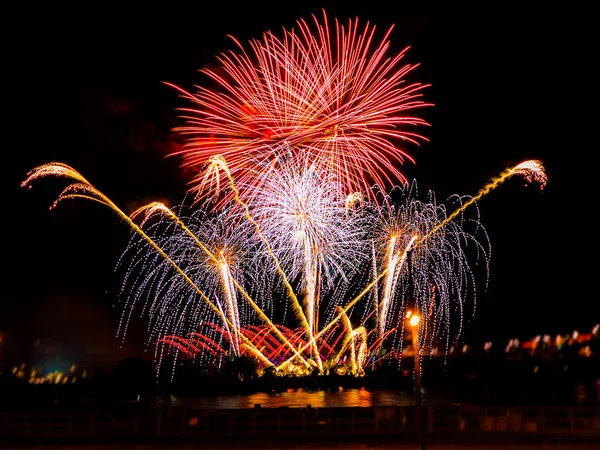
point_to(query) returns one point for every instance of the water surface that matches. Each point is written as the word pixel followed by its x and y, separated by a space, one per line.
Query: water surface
pixel 301 398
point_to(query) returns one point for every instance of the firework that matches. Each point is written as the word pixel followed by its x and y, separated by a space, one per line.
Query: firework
pixel 212 248
pixel 206 277
pixel 328 90
pixel 293 251
pixel 307 223
pixel 209 250
pixel 531 170
pixel 434 274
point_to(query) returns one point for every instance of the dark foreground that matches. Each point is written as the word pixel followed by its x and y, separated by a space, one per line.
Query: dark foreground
pixel 360 443
pixel 385 427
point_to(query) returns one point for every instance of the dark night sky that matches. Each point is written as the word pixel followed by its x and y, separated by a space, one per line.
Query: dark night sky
pixel 508 85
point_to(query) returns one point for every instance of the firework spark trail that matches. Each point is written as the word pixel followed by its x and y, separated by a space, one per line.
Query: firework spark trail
pixel 63 170
pixel 391 262
pixel 344 100
pixel 441 262
pixel 374 275
pixel 349 341
pixel 532 170
pixel 353 199
pixel 310 229
pixel 394 265
pixel 221 262
pixel 56 169
pixel 164 302
pixel 261 335
pixel 361 357
pixel 168 302
pixel 156 206
pixel 344 310
pixel 66 171
pixel 220 162
pixel 310 271
pixel 357 358
pixel 229 291
pixel 266 319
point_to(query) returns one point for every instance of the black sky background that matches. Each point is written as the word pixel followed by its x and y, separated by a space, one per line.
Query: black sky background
pixel 85 87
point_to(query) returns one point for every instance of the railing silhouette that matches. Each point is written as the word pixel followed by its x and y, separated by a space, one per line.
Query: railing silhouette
pixel 336 421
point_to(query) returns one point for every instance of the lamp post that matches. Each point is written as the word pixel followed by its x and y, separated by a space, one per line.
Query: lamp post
pixel 413 320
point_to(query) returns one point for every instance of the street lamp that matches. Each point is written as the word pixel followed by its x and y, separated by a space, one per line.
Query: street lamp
pixel 413 321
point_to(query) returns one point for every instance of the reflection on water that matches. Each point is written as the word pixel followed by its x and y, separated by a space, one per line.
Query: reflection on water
pixel 300 398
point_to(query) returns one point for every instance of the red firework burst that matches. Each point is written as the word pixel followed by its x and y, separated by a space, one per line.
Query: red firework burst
pixel 334 94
